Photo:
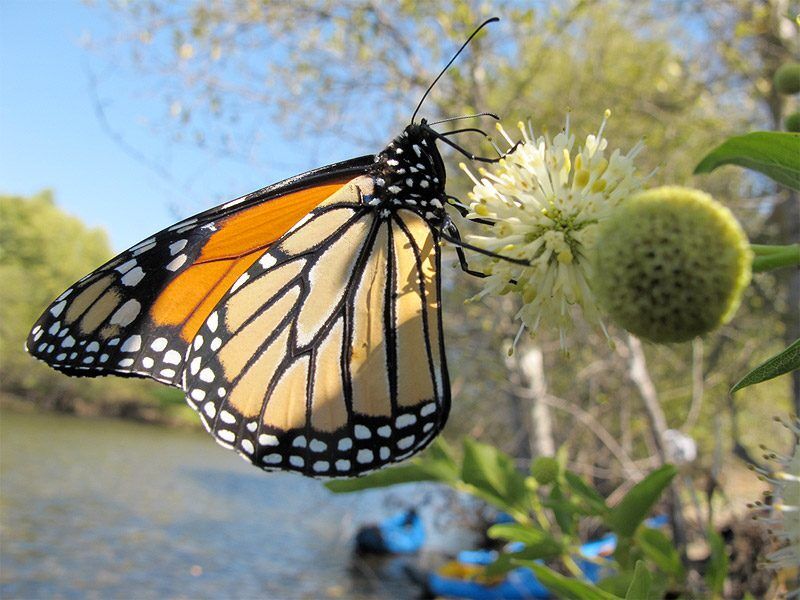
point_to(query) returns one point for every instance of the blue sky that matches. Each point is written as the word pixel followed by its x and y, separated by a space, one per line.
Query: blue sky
pixel 51 137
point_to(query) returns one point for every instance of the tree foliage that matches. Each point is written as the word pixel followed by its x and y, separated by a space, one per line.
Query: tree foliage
pixel 680 79
pixel 43 250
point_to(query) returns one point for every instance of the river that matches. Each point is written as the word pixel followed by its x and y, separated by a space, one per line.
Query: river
pixel 93 508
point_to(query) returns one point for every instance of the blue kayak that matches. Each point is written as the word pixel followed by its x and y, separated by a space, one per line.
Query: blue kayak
pixel 518 584
pixel 403 533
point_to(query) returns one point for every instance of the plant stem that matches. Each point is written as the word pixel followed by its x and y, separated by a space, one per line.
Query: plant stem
pixel 767 257
pixel 572 566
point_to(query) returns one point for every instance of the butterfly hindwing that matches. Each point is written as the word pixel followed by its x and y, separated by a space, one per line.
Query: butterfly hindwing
pixel 327 358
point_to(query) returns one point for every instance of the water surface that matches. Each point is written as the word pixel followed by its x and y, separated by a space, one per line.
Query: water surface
pixel 99 509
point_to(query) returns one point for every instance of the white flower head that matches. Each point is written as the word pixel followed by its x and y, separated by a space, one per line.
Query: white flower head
pixel 545 200
pixel 781 513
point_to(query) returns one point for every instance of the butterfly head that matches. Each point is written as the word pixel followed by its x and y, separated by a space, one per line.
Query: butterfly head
pixel 409 173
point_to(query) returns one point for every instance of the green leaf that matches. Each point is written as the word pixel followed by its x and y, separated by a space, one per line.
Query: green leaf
pixel 618 584
pixel 545 548
pixel 565 587
pixel 658 548
pixel 583 490
pixel 639 588
pixel 718 564
pixel 516 532
pixel 538 543
pixel 501 566
pixel 781 363
pixel 775 154
pixel 767 257
pixel 626 516
pixel 494 477
pixel 383 478
pixel 563 510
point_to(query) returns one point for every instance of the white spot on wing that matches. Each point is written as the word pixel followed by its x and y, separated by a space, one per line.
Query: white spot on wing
pixel 132 344
pixel 183 223
pixel 145 248
pixel 176 263
pixel 143 244
pixel 265 439
pixel 405 420
pixel 406 442
pixel 194 366
pixel 226 435
pixel 57 308
pixel 133 277
pixel 172 357
pixel 267 261
pixel 239 282
pixel 176 247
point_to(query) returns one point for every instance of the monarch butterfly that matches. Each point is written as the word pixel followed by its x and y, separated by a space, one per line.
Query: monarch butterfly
pixel 302 321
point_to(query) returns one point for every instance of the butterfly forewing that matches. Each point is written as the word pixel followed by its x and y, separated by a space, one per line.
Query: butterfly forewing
pixel 137 314
pixel 327 358
pixel 101 325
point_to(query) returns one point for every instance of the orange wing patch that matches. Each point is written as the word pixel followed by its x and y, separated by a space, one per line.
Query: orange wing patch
pixel 235 245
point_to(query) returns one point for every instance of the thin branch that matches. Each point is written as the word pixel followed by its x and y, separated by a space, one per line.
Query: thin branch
pixel 596 428
pixel 697 384
pixel 647 390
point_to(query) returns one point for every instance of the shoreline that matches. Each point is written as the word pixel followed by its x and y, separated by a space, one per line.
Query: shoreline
pixel 172 416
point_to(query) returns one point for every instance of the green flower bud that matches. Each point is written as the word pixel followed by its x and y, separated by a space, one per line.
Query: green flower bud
pixel 792 122
pixel 787 78
pixel 671 264
pixel 545 470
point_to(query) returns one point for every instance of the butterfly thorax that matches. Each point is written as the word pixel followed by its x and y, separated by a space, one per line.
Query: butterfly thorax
pixel 409 173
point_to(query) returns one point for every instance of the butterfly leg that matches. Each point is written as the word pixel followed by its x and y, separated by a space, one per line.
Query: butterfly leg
pixel 457 242
pixel 473 156
pixel 464 211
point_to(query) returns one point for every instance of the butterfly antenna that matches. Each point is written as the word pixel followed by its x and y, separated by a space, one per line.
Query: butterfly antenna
pixel 447 66
pixel 476 115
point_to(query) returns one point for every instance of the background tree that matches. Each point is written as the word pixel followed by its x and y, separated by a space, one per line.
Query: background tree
pixel 43 250
pixel 320 66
